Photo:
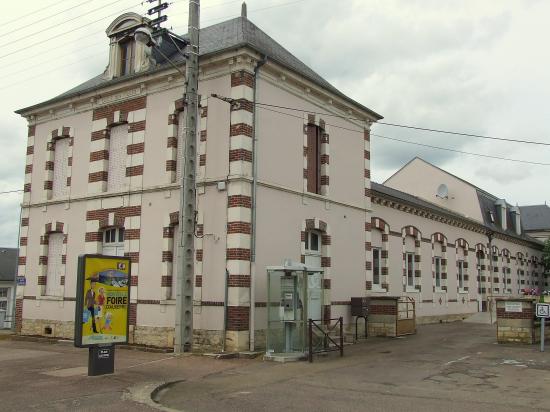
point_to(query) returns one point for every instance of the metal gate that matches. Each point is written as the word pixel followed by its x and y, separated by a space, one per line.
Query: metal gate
pixel 406 316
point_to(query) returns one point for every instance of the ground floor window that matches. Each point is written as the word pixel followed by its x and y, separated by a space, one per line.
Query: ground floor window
pixel 376 254
pixel 409 269
pixel 113 241
pixel 437 270
pixel 461 275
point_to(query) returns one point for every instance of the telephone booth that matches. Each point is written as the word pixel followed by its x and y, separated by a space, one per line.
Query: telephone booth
pixel 294 295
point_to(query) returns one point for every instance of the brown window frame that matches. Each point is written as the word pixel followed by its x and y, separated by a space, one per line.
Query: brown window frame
pixel 125 46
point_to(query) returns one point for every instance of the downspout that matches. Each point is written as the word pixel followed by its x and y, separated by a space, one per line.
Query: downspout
pixel 251 326
pixel 490 303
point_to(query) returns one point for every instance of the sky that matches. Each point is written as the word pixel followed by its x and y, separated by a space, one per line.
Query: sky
pixel 478 67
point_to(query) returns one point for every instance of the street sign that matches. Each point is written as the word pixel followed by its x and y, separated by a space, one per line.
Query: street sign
pixel 543 310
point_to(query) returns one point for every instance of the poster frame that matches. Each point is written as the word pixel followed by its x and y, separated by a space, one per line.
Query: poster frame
pixel 79 309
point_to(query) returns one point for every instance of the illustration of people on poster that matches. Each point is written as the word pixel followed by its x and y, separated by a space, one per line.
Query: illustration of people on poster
pixel 105 303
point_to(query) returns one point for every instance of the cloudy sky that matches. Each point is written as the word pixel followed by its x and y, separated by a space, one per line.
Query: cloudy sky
pixel 480 67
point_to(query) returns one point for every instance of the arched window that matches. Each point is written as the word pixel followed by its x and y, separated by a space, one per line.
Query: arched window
pixel 113 241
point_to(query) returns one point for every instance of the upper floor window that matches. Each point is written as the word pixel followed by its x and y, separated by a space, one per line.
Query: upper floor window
pixel 113 241
pixel 60 168
pixel 314 158
pixel 116 177
pixel 127 57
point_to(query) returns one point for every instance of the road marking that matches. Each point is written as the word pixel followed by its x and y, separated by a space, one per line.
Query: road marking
pixel 457 360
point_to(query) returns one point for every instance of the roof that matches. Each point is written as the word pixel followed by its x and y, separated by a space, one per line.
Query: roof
pixel 535 217
pixel 227 35
pixel 8 263
pixel 416 201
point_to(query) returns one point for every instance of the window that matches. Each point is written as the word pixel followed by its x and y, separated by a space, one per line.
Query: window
pixel 409 268
pixel 126 57
pixel 117 158
pixel 61 164
pixel 113 241
pixel 376 253
pixel 313 159
pixel 4 292
pixel 313 249
pixel 461 275
pixel 55 265
pixel 437 267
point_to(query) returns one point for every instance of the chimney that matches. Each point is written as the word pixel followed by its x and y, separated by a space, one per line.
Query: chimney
pixel 243 10
pixel 516 218
pixel 501 212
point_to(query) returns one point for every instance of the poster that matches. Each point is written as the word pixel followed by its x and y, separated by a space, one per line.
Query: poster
pixel 102 300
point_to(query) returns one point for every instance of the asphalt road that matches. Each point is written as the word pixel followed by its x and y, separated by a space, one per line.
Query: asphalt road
pixel 446 367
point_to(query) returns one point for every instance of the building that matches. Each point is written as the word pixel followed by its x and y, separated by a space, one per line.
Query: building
pixel 461 245
pixel 102 175
pixel 283 173
pixel 8 268
pixel 536 221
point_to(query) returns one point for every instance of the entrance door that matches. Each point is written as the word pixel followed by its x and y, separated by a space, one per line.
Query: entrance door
pixel 314 287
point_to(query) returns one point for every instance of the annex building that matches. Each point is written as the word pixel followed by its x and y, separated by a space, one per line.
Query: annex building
pixel 103 175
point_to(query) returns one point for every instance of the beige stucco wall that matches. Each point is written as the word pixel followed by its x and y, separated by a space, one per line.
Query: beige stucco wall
pixel 422 179
pixel 428 300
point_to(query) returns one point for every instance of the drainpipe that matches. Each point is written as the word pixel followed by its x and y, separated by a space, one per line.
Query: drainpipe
pixel 490 303
pixel 252 317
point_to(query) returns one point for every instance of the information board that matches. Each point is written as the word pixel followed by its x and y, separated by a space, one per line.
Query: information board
pixel 102 300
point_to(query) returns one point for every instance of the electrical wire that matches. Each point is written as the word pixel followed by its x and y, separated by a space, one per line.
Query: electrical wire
pixel 249 11
pixel 11 191
pixel 64 22
pixel 67 32
pixel 406 126
pixel 43 19
pixel 18 19
pixel 419 144
pixel 51 71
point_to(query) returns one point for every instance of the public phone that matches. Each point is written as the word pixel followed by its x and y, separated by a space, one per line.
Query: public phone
pixel 288 298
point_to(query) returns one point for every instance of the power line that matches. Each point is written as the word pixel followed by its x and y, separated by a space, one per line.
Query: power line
pixel 51 71
pixel 249 11
pixel 67 32
pixel 65 22
pixel 28 14
pixel 11 191
pixel 407 126
pixel 43 19
pixel 418 144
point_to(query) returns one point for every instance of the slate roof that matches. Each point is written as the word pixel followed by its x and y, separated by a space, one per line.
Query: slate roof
pixel 8 263
pixel 483 196
pixel 536 217
pixel 230 34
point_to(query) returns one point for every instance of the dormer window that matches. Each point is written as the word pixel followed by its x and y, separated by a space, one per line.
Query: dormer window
pixel 491 217
pixel 127 56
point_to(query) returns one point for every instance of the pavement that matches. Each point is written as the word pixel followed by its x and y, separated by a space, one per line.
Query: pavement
pixel 451 367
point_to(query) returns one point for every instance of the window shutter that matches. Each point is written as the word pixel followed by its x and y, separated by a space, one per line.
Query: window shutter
pixel 61 160
pixel 117 158
pixel 55 264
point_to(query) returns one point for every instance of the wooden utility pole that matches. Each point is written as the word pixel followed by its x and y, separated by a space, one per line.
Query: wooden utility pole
pixel 186 250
